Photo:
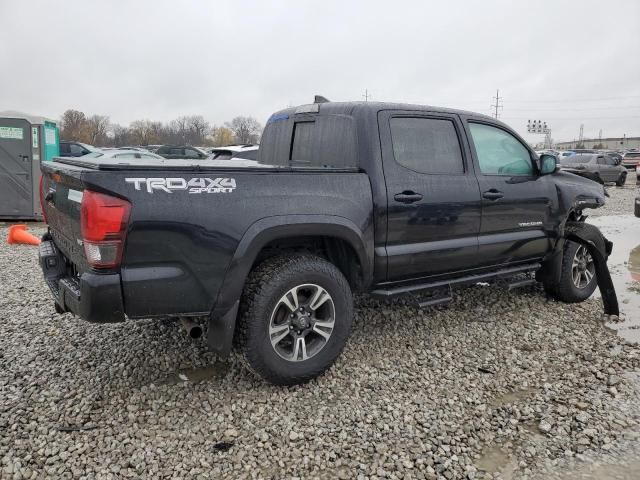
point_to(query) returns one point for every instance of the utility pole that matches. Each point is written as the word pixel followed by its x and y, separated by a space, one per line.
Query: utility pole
pixel 497 106
pixel 581 139
pixel 366 95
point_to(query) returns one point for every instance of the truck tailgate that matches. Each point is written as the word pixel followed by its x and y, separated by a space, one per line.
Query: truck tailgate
pixel 62 191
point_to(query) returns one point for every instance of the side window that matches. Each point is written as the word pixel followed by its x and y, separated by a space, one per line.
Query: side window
pixel 499 152
pixel 176 151
pixel 76 150
pixel 601 161
pixel 64 148
pixel 426 145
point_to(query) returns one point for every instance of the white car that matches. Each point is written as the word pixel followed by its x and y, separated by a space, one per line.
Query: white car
pixel 249 152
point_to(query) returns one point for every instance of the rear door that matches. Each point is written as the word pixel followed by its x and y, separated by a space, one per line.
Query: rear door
pixel 608 169
pixel 16 185
pixel 433 199
pixel 515 199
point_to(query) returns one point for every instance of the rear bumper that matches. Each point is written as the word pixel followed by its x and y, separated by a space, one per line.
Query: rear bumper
pixel 93 297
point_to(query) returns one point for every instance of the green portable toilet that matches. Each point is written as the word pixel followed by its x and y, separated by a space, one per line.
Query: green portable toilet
pixel 25 141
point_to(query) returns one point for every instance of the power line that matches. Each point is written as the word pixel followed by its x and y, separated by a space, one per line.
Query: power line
pixel 497 106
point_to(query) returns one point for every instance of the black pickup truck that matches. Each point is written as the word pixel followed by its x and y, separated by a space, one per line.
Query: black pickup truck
pixel 389 199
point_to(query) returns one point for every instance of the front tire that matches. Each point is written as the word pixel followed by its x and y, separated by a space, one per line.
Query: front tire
pixel 578 275
pixel 294 319
pixel 621 180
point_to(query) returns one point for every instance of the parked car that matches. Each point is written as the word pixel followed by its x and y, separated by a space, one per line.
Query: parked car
pixel 75 149
pixel 566 154
pixel 250 152
pixel 181 152
pixel 122 154
pixel 421 199
pixel 601 168
pixel 631 160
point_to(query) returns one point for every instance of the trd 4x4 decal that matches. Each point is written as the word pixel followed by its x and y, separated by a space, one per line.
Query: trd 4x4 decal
pixel 194 185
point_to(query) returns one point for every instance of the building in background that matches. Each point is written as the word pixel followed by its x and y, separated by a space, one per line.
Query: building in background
pixel 621 143
pixel 25 141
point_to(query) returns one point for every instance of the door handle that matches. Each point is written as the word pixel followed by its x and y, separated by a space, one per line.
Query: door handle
pixel 493 194
pixel 407 197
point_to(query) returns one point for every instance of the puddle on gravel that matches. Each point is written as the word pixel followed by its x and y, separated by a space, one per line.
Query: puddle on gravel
pixel 624 265
pixel 495 460
pixel 196 375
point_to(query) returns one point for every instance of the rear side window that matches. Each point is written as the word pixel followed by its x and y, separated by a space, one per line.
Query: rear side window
pixel 426 145
pixel 302 147
pixel 176 151
pixel 499 152
pixel 309 141
pixel 323 141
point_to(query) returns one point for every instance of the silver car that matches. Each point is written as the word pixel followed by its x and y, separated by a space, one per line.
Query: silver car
pixel 598 167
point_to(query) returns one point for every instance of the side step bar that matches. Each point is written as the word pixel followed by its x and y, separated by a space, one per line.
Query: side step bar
pixel 386 293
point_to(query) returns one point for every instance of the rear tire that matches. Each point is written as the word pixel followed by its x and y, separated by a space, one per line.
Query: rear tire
pixel 577 278
pixel 294 319
pixel 621 180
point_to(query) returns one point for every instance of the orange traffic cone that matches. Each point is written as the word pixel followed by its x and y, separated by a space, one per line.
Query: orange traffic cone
pixel 19 234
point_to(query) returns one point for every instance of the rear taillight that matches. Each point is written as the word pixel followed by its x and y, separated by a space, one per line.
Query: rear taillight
pixel 44 214
pixel 103 220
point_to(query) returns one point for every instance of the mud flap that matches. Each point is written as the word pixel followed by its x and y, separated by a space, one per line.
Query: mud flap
pixel 605 284
pixel 220 331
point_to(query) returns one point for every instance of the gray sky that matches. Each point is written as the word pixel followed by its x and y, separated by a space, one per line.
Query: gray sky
pixel 566 62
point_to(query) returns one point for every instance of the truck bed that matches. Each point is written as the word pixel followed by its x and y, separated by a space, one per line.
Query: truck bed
pixel 191 220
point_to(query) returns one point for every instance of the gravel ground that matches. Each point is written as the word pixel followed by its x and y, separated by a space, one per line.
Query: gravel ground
pixel 620 202
pixel 498 385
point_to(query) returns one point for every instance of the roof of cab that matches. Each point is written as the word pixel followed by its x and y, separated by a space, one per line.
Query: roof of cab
pixel 366 108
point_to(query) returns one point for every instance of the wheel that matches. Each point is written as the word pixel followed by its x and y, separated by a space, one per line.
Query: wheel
pixel 621 179
pixel 294 319
pixel 578 274
pixel 636 207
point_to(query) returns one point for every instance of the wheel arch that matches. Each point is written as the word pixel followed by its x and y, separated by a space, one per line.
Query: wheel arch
pixel 295 231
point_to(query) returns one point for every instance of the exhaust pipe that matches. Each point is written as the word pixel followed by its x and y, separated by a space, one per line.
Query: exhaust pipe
pixel 193 329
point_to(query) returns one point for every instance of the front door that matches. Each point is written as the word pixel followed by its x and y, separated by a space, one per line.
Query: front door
pixel 16 184
pixel 433 199
pixel 516 200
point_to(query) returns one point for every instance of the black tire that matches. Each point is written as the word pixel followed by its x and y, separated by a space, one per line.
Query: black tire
pixel 636 207
pixel 621 180
pixel 566 289
pixel 261 301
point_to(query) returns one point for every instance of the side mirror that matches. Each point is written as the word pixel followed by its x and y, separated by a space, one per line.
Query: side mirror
pixel 547 164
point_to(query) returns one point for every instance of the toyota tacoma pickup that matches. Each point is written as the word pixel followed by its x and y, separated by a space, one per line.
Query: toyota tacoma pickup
pixel 387 199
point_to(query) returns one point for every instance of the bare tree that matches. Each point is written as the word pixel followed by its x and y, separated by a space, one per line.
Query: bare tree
pixel 72 124
pixel 119 135
pixel 97 127
pixel 245 129
pixel 179 130
pixel 144 132
pixel 198 129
